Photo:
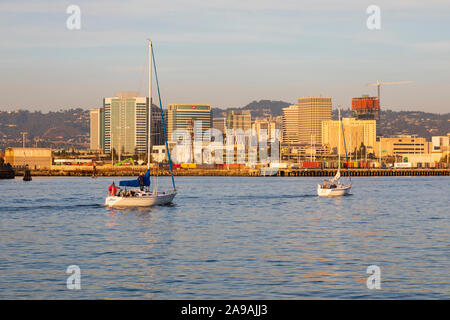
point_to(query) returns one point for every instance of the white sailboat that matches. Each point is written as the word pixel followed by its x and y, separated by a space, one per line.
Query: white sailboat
pixel 140 197
pixel 334 187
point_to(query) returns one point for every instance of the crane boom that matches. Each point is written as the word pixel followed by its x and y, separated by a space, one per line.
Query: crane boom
pixel 378 84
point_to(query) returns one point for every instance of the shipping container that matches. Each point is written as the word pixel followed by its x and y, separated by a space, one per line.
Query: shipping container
pixel 278 165
pixel 402 165
pixel 206 166
pixel 233 166
pixel 188 165
pixel 364 165
pixel 348 165
pixel 311 164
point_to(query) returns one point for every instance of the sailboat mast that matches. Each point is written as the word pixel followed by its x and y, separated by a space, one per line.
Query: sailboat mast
pixel 339 149
pixel 150 102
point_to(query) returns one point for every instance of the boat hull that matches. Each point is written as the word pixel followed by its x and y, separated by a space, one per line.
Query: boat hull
pixel 333 192
pixel 140 201
pixel 268 172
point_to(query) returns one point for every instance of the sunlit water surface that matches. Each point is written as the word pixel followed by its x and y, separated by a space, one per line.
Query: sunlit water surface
pixel 227 237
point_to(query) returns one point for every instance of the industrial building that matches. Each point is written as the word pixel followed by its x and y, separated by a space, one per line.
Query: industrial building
pixel 34 158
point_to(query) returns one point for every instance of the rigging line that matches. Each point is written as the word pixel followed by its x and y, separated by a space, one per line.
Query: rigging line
pixel 345 149
pixel 162 117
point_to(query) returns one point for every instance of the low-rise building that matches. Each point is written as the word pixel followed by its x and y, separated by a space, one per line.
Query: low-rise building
pixel 402 145
pixel 159 154
pixel 425 160
pixel 34 158
pixel 441 143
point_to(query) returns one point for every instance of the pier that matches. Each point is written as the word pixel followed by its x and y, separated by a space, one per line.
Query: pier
pixel 374 172
pixel 78 171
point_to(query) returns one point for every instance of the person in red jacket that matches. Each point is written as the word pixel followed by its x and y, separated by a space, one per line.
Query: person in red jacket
pixel 113 189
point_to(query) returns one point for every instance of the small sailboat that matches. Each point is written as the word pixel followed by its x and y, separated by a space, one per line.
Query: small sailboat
pixel 144 197
pixel 334 187
pixel 268 171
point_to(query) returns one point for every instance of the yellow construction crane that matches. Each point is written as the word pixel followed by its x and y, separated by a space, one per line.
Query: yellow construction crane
pixel 379 84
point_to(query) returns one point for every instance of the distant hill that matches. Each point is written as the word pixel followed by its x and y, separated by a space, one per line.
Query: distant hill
pixel 259 108
pixel 424 124
pixel 276 107
pixel 66 128
pixel 53 129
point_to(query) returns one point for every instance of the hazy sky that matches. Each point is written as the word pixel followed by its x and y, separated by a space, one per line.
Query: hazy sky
pixel 226 53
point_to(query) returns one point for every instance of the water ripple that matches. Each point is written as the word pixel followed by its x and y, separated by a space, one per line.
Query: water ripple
pixel 227 237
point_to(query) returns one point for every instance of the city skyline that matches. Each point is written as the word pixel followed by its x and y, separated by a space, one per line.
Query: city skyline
pixel 225 54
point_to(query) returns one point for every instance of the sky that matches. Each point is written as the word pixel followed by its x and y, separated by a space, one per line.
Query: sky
pixel 224 53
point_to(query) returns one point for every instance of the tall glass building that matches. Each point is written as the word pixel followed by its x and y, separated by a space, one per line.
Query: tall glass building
pixel 188 117
pixel 124 124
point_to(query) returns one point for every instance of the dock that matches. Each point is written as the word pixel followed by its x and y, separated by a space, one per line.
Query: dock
pixel 79 171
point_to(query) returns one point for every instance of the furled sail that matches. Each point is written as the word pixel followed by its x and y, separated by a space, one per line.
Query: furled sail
pixel 135 183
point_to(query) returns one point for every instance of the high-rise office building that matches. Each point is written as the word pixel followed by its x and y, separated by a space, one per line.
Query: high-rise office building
pixel 266 129
pixel 312 111
pixel 356 132
pixel 125 123
pixel 195 118
pixel 95 116
pixel 158 126
pixel 291 124
pixel 220 124
pixel 239 119
pixel 366 108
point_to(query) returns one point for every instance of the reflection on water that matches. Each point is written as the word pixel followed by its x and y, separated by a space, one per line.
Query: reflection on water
pixel 227 237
